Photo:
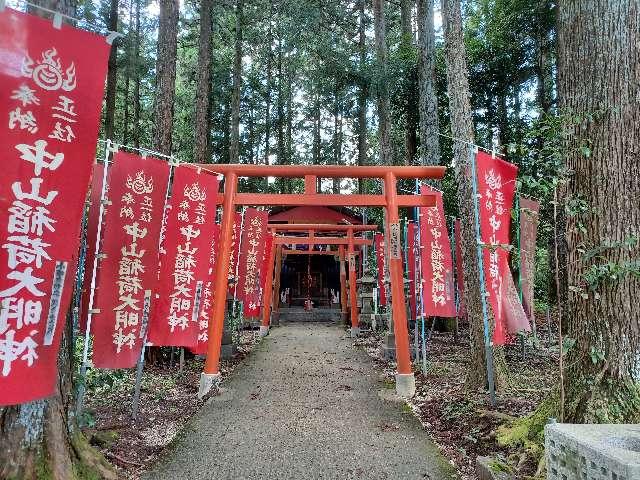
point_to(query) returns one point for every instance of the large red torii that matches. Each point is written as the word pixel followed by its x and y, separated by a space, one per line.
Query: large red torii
pixel 390 200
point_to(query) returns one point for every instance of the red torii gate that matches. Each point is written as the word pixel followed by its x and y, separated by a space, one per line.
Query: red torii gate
pixel 310 240
pixel 390 200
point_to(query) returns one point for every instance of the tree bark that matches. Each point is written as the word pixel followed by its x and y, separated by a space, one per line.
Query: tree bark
pixel 203 89
pixel 363 93
pixel 384 123
pixel 428 98
pixel 337 134
pixel 127 76
pixel 136 81
pixel 166 74
pixel 598 78
pixel 41 439
pixel 112 73
pixel 234 148
pixel 411 120
pixel 462 129
pixel 267 115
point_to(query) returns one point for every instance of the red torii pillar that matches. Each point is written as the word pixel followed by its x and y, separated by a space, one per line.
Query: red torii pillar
pixel 405 381
pixel 343 285
pixel 268 290
pixel 351 256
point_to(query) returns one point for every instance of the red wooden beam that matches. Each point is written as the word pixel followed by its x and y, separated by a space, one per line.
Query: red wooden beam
pixel 320 241
pixel 328 200
pixel 324 171
pixel 289 251
pixel 296 227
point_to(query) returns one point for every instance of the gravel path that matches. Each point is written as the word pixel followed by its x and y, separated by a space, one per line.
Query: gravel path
pixel 304 405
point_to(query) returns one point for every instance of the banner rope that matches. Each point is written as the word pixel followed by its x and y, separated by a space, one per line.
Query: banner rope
pixel 111 35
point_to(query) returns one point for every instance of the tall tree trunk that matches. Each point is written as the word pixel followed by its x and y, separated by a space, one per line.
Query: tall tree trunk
pixel 410 130
pixel 363 92
pixel 598 78
pixel 384 122
pixel 281 119
pixel 290 115
pixel 112 74
pixel 462 129
pixel 127 76
pixel 267 115
pixel 428 98
pixel 316 146
pixel 337 134
pixel 234 148
pixel 136 81
pixel 42 438
pixel 203 89
pixel 166 74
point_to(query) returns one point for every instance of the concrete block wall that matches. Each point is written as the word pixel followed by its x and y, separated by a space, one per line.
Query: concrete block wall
pixel 592 452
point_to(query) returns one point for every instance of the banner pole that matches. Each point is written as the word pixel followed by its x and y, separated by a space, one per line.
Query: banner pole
pixel 456 295
pixel 421 285
pixel 94 273
pixel 488 346
pixel 144 329
pixel 235 280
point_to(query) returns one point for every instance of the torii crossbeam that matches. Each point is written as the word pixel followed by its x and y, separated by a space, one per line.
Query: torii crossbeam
pixel 390 200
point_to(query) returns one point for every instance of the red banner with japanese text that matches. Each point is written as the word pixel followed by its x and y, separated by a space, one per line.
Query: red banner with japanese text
pixel 496 187
pixel 437 263
pixel 233 258
pixel 52 86
pixel 412 249
pixel 184 265
pixel 528 234
pixel 462 310
pixel 128 274
pixel 251 253
pixel 90 239
pixel 207 296
pixel 378 240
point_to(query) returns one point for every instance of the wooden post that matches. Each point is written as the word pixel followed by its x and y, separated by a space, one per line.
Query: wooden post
pixel 211 373
pixel 268 291
pixel 405 381
pixel 343 284
pixel 276 291
pixel 351 257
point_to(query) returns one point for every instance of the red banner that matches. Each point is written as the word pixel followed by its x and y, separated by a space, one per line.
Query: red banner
pixel 233 258
pixel 184 267
pixel 92 233
pixel 496 186
pixel 528 232
pixel 412 249
pixel 251 253
pixel 127 275
pixel 462 310
pixel 52 86
pixel 437 264
pixel 207 296
pixel 378 240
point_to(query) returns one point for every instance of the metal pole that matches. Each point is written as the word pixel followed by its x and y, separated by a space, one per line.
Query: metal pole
pixel 235 275
pixel 421 285
pixel 488 346
pixel 94 274
pixel 145 324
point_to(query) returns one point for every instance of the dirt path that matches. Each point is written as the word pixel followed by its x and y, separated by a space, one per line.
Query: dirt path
pixel 305 405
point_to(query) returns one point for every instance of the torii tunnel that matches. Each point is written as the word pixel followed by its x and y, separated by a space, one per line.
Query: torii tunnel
pixel 350 241
pixel 390 200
